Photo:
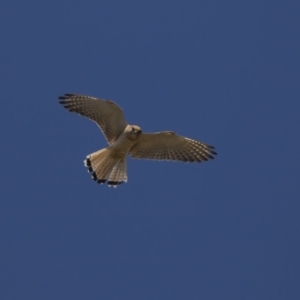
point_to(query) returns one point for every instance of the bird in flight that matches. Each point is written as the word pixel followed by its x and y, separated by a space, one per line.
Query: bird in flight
pixel 109 164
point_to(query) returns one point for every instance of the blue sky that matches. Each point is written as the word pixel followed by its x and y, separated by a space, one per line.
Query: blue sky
pixel 223 72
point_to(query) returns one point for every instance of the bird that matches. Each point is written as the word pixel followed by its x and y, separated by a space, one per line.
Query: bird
pixel 109 164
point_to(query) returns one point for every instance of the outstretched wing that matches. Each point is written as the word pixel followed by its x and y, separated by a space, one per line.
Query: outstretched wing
pixel 170 146
pixel 107 114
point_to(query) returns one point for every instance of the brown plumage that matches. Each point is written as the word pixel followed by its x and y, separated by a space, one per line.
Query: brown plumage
pixel 109 164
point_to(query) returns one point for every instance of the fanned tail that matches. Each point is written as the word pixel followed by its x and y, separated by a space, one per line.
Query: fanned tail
pixel 106 168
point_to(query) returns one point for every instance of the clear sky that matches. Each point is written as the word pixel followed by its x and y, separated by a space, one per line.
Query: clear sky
pixel 223 72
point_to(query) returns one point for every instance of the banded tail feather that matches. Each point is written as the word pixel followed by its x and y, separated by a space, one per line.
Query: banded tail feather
pixel 106 168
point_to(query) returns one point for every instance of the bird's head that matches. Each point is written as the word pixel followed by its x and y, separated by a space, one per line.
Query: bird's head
pixel 133 131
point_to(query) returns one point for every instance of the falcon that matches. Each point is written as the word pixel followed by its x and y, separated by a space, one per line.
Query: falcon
pixel 109 164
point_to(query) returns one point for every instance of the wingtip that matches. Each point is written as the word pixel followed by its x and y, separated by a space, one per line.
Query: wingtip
pixel 66 96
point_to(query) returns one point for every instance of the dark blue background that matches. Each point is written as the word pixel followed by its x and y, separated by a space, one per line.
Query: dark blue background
pixel 224 72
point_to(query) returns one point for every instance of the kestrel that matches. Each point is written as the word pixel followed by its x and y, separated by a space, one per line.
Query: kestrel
pixel 109 164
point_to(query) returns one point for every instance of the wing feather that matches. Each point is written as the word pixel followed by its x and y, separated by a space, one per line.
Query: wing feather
pixel 107 114
pixel 170 146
